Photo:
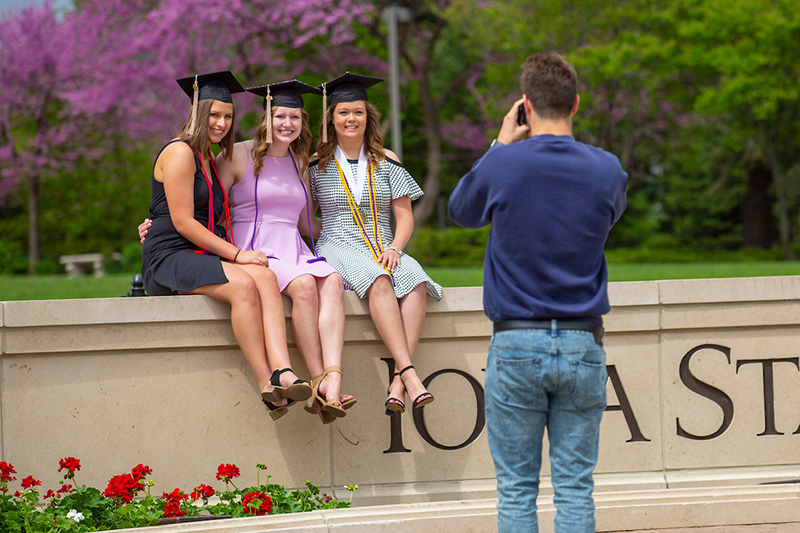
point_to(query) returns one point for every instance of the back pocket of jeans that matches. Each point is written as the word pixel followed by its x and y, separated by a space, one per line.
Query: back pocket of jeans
pixel 518 381
pixel 588 385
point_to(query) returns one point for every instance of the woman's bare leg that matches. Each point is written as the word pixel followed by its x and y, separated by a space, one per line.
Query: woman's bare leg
pixel 413 308
pixel 331 331
pixel 242 295
pixel 305 317
pixel 384 308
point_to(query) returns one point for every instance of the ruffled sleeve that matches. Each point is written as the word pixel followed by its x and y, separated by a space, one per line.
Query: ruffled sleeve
pixel 400 181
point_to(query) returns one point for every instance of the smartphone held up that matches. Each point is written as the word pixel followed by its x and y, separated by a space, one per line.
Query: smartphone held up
pixel 522 118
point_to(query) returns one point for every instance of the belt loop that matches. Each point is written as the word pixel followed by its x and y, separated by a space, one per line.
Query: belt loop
pixel 553 328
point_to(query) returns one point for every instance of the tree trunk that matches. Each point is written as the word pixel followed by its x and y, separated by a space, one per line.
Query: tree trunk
pixel 426 207
pixel 33 223
pixel 781 193
pixel 758 221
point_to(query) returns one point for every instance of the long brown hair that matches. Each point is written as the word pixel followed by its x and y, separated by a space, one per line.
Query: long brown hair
pixel 198 139
pixel 373 142
pixel 299 146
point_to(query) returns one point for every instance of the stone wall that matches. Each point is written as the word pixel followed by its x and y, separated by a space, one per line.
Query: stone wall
pixel 704 391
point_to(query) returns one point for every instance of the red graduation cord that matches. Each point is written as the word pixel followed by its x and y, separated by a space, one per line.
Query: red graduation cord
pixel 229 228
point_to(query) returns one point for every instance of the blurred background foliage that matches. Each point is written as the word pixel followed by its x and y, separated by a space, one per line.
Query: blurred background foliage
pixel 700 100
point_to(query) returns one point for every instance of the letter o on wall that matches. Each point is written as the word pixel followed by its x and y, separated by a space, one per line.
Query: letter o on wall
pixel 480 422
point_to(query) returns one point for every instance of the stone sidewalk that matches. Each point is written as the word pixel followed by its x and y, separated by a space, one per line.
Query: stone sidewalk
pixel 756 528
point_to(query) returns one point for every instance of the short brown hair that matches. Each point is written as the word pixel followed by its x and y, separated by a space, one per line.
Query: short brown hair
pixel 551 84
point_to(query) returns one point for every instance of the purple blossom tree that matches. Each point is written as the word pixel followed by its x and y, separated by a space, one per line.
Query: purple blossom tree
pixel 105 72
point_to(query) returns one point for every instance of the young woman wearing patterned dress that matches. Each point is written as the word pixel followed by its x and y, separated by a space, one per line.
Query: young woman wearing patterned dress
pixel 359 185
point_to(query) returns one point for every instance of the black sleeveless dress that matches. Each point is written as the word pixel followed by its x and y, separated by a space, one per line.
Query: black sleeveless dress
pixel 170 262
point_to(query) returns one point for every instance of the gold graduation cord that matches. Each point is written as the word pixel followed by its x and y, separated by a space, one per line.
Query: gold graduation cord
pixel 360 221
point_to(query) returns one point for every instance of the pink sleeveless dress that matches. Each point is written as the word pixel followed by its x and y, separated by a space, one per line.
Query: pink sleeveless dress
pixel 269 222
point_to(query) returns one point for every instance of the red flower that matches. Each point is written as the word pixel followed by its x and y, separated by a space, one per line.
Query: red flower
pixel 29 482
pixel 49 494
pixel 202 491
pixel 172 509
pixel 176 495
pixel 226 472
pixel 71 464
pixel 6 469
pixel 124 487
pixel 140 471
pixel 257 503
pixel 17 494
pixel 64 488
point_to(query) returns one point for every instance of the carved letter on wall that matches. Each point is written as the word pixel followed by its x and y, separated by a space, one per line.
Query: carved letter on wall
pixel 624 406
pixel 769 389
pixel 396 444
pixel 704 389
pixel 480 422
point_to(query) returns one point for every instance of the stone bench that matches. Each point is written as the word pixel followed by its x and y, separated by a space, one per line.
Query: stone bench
pixel 77 265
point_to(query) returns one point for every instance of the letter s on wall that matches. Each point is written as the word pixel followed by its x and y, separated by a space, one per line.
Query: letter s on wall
pixel 704 389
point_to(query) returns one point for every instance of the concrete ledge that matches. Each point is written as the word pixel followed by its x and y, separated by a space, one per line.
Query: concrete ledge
pixel 616 512
pixel 704 403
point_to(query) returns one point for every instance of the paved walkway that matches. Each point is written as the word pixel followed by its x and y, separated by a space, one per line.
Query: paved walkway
pixel 762 528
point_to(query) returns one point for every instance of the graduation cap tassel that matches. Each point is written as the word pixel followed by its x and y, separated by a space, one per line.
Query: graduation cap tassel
pixel 193 123
pixel 324 113
pixel 269 117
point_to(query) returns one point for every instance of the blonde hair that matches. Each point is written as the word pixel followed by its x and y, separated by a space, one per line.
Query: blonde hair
pixel 299 146
pixel 198 139
pixel 373 142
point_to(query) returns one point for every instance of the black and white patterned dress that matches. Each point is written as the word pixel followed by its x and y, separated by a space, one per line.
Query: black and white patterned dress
pixel 341 242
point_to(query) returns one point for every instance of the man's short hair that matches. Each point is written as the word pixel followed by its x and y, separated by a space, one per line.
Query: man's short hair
pixel 551 84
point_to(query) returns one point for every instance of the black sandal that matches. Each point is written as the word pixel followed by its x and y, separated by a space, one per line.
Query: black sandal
pixel 423 399
pixel 298 391
pixel 393 405
pixel 277 411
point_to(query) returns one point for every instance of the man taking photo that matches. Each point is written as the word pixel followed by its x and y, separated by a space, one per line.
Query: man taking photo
pixel 551 201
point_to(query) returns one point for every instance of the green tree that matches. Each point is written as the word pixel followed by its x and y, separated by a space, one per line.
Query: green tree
pixel 744 55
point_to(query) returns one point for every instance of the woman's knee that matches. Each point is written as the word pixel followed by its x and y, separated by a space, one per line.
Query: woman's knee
pixel 333 287
pixel 382 286
pixel 304 288
pixel 244 287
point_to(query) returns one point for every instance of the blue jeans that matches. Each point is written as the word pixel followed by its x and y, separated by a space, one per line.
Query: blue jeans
pixel 537 379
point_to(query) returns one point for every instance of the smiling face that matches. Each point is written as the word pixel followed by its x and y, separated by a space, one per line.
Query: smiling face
pixel 350 120
pixel 220 120
pixel 287 123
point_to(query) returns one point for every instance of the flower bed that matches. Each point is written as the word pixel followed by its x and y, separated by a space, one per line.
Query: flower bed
pixel 126 502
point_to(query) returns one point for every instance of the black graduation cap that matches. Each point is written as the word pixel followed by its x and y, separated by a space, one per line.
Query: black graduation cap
pixel 348 87
pixel 212 86
pixel 284 94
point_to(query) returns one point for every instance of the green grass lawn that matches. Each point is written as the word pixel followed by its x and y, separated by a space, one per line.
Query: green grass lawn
pixel 61 287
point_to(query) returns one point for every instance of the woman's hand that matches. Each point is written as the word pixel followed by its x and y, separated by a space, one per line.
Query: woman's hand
pixel 252 257
pixel 390 259
pixel 143 227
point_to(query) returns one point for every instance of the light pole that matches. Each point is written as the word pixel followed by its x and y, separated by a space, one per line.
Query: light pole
pixel 392 15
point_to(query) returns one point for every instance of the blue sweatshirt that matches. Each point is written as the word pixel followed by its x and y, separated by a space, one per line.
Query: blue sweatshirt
pixel 551 202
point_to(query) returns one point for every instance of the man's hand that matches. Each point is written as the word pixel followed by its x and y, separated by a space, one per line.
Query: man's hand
pixel 510 131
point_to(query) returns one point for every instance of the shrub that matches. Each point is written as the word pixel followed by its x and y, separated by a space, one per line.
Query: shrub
pixel 12 258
